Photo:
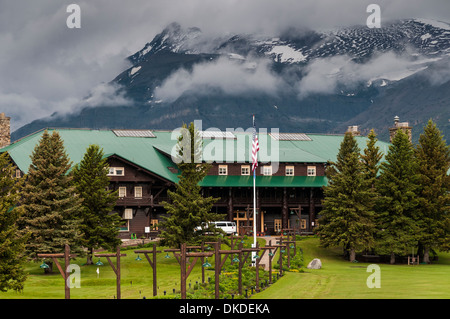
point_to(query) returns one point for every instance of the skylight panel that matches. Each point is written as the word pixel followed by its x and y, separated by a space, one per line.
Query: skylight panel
pixel 290 136
pixel 134 133
pixel 217 134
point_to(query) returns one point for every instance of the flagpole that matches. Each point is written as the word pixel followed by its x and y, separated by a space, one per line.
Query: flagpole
pixel 254 208
pixel 254 202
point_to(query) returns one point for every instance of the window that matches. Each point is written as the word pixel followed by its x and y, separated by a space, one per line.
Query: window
pixel 311 171
pixel 277 225
pixel 223 169
pixel 267 170
pixel 128 213
pixel 154 224
pixel 138 191
pixel 245 169
pixel 18 174
pixel 122 191
pixel 124 225
pixel 116 171
pixel 303 224
pixel 289 170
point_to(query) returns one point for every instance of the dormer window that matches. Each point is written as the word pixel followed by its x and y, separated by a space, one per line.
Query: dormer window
pixel 289 170
pixel 267 170
pixel 311 171
pixel 245 169
pixel 116 171
pixel 223 169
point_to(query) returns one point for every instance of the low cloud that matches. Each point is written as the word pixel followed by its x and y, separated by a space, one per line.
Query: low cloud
pixel 15 104
pixel 228 76
pixel 327 75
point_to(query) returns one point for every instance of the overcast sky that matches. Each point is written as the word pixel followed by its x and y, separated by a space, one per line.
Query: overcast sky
pixel 47 67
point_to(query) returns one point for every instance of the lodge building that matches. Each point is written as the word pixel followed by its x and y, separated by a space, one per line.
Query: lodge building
pixel 289 178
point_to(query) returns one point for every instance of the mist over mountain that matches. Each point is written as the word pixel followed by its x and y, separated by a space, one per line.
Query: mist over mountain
pixel 300 80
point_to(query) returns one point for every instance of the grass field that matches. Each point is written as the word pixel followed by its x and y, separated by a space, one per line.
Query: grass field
pixel 337 279
pixel 344 280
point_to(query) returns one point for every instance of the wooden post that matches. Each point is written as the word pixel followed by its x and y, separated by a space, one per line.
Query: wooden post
pixel 280 259
pixel 216 269
pixel 183 270
pixel 66 264
pixel 240 269
pixel 270 262
pixel 116 268
pixel 152 264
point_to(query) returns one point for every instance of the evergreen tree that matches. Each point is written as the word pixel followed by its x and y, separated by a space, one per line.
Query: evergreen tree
pixel 433 158
pixel 187 208
pixel 346 219
pixel 99 226
pixel 397 203
pixel 371 158
pixel 12 245
pixel 49 203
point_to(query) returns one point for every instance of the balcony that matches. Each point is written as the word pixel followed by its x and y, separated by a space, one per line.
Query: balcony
pixel 135 201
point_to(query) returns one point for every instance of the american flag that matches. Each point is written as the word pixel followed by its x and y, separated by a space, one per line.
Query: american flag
pixel 255 147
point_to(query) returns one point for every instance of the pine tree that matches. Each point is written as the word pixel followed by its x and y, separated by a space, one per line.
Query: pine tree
pixel 397 203
pixel 12 244
pixel 346 219
pixel 99 225
pixel 433 157
pixel 371 158
pixel 49 203
pixel 187 208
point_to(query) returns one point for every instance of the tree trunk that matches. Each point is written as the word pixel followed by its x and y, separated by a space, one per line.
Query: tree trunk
pixel 426 254
pixel 392 258
pixel 352 255
pixel 49 270
pixel 89 256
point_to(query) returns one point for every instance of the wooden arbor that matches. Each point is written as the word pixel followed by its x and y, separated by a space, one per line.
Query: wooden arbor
pixel 115 268
pixel 152 264
pixel 64 273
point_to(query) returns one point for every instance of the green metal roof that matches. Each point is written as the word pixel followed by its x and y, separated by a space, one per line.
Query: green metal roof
pixel 134 149
pixel 264 181
pixel 153 153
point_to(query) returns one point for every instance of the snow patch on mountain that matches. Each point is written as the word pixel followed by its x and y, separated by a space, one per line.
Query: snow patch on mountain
pixel 285 53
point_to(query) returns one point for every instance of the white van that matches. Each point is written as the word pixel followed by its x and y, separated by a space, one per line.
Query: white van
pixel 226 226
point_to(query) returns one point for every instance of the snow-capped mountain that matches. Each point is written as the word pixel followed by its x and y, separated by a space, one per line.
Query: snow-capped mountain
pixel 421 36
pixel 298 80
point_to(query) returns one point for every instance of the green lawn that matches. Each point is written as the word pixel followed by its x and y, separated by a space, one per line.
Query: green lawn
pixel 341 279
pixel 337 279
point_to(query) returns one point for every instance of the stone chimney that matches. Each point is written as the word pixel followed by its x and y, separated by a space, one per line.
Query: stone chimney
pixel 5 135
pixel 354 129
pixel 400 125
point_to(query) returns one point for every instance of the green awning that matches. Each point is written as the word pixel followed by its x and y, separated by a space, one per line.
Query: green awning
pixel 263 181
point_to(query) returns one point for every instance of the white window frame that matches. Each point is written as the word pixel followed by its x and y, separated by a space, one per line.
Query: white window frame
pixel 138 191
pixel 128 213
pixel 116 171
pixel 290 168
pixel 245 167
pixel 267 170
pixel 311 171
pixel 223 169
pixel 122 191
